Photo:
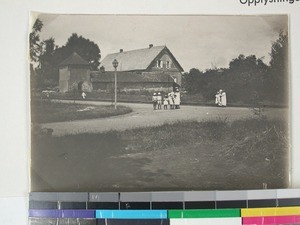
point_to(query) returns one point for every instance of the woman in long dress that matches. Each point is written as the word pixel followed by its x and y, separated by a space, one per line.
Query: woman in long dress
pixel 177 100
pixel 223 98
pixel 218 99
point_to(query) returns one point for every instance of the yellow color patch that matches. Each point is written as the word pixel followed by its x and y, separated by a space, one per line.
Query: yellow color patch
pixel 278 211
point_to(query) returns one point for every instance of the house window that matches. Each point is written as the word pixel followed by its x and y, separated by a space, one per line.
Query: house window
pixel 159 63
pixel 168 65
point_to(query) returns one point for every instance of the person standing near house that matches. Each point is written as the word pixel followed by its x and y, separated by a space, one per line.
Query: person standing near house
pixel 159 100
pixel 154 100
pixel 171 99
pixel 177 99
pixel 83 95
pixel 166 102
pixel 218 98
pixel 223 99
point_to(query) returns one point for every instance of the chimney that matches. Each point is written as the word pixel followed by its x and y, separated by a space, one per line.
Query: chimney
pixel 121 50
pixel 150 46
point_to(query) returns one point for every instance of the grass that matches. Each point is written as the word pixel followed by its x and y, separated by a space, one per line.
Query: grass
pixel 47 111
pixel 190 155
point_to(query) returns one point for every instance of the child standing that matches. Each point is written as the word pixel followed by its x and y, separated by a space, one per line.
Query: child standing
pixel 166 102
pixel 171 99
pixel 154 100
pixel 159 100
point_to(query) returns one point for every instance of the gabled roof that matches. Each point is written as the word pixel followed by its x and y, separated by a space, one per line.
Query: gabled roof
pixel 74 59
pixel 134 77
pixel 139 59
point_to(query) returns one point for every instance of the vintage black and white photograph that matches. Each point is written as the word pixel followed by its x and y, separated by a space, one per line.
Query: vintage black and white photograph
pixel 159 102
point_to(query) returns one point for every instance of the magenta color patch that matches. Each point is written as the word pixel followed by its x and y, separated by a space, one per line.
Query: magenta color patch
pixel 271 220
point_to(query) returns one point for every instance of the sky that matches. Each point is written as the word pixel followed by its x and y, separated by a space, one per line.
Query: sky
pixel 196 41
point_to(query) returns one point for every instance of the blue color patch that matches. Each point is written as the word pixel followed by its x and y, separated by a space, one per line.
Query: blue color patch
pixel 131 214
pixel 54 213
pixel 78 214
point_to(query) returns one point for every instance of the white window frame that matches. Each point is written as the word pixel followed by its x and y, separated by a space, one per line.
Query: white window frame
pixel 159 64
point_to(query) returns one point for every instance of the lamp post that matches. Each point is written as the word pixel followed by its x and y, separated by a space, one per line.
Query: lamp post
pixel 115 65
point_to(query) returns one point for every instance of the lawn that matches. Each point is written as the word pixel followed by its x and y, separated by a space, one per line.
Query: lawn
pixel 218 155
pixel 46 111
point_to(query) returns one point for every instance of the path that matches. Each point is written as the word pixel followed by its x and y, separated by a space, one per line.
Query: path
pixel 143 115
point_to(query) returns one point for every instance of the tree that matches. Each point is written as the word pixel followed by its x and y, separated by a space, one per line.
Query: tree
pixel 279 53
pixel 47 62
pixel 192 80
pixel 87 49
pixel 246 78
pixel 242 80
pixel 279 71
pixel 34 41
pixel 35 49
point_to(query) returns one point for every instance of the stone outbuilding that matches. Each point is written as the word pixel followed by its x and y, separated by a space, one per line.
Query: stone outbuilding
pixel 74 73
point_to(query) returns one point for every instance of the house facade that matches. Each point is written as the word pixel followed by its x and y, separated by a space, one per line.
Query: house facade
pixel 153 69
pixel 131 81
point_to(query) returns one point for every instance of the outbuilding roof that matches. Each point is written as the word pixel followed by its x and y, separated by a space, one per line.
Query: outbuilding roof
pixel 134 60
pixel 74 59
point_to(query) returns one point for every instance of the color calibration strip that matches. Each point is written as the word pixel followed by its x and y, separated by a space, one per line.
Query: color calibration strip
pixel 258 216
pixel 245 207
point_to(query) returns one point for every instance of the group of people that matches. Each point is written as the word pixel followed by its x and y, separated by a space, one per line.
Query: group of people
pixel 171 99
pixel 221 99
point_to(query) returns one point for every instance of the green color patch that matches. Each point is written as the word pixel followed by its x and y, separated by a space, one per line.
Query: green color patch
pixel 205 213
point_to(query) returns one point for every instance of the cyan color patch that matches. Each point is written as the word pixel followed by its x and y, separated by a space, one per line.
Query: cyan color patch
pixel 131 214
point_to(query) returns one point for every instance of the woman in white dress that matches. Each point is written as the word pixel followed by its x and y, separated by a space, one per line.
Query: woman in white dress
pixel 177 100
pixel 223 99
pixel 218 98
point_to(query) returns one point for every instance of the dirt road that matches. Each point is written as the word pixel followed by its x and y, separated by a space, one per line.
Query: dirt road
pixel 143 115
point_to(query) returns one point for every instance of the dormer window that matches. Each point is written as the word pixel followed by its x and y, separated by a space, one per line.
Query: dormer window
pixel 159 64
pixel 168 64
